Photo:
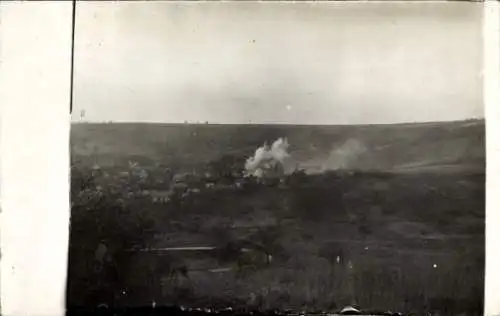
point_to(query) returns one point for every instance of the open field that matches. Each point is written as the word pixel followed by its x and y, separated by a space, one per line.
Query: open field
pixel 386 217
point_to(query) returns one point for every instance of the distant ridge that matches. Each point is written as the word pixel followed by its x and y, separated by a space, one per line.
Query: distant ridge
pixel 466 121
pixel 404 146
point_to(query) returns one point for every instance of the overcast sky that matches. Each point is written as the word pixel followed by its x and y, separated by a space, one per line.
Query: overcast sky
pixel 305 63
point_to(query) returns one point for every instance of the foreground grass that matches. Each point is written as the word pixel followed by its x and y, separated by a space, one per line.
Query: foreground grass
pixel 408 242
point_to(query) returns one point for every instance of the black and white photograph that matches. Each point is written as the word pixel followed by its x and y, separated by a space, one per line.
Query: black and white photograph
pixel 284 158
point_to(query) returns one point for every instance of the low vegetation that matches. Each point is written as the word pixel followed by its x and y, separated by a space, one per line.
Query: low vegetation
pixel 401 241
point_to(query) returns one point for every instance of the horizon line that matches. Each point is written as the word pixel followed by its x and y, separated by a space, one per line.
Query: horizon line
pixel 476 119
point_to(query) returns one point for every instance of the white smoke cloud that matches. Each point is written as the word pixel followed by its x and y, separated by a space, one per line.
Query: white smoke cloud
pixel 267 159
pixel 344 156
pixel 276 159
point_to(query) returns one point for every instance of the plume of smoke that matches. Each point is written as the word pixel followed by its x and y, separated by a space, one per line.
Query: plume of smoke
pixel 344 156
pixel 268 159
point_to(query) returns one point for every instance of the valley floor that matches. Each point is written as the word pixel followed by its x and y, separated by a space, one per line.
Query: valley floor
pixel 410 242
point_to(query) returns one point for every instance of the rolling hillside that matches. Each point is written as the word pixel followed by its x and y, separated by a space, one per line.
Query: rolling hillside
pixel 314 148
pixel 409 241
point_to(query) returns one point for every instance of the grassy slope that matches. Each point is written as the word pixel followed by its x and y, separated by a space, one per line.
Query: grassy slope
pixel 387 146
pixel 393 228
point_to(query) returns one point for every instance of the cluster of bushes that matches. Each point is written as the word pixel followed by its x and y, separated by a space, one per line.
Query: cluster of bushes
pixel 95 210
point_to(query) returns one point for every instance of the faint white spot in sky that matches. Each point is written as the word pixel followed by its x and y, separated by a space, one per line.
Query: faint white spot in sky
pixel 288 107
pixel 434 265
